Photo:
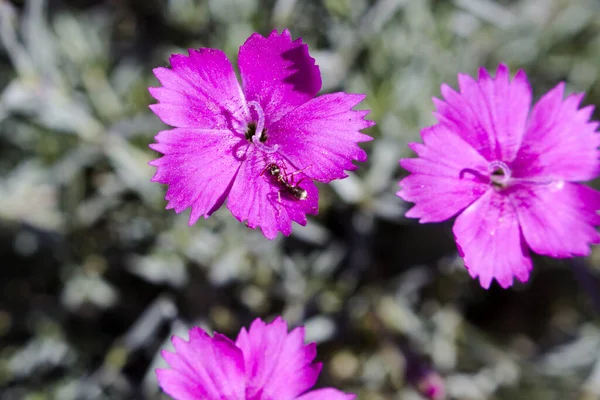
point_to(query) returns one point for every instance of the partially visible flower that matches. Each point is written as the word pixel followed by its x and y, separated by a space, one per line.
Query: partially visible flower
pixel 264 363
pixel 226 137
pixel 420 373
pixel 432 386
pixel 509 173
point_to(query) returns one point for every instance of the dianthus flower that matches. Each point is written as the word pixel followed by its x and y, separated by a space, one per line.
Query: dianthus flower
pixel 259 145
pixel 509 173
pixel 264 363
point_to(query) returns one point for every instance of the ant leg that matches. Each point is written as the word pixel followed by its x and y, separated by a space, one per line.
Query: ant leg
pixel 264 169
pixel 275 205
pixel 297 172
pixel 300 181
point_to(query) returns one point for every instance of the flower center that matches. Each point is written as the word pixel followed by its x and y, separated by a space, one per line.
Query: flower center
pixel 256 132
pixel 251 131
pixel 500 174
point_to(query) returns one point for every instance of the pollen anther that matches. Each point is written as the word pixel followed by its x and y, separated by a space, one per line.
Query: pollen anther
pixel 257 138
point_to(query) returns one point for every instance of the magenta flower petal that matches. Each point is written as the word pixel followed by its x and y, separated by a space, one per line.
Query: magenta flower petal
pixel 490 114
pixel 220 375
pixel 259 200
pixel 178 385
pixel 278 73
pixel 433 186
pixel 200 91
pixel 322 135
pixel 560 142
pixel 515 169
pixel 198 167
pixel 558 220
pixel 489 239
pixel 327 394
pixel 278 365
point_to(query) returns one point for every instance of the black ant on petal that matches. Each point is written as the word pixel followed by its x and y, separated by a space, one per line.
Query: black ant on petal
pixel 283 181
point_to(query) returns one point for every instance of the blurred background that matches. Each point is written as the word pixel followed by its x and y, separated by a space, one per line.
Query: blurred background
pixel 96 275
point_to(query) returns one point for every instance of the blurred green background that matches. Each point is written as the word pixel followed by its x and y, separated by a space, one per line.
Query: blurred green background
pixel 96 275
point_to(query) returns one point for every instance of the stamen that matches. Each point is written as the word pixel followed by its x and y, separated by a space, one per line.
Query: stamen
pixel 494 166
pixel 500 173
pixel 261 116
pixel 260 126
pixel 262 146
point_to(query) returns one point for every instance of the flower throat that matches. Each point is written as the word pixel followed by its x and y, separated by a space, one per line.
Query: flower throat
pixel 256 132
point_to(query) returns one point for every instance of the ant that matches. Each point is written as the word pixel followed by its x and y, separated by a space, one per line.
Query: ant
pixel 283 180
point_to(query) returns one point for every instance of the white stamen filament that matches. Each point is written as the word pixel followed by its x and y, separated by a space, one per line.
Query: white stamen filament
pixel 506 173
pixel 495 165
pixel 260 126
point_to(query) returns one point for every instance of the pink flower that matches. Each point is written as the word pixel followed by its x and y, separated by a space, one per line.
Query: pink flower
pixel 259 145
pixel 264 363
pixel 509 173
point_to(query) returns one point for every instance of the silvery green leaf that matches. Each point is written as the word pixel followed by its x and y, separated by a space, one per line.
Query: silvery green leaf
pixel 27 196
pixel 88 288
pixel 160 269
